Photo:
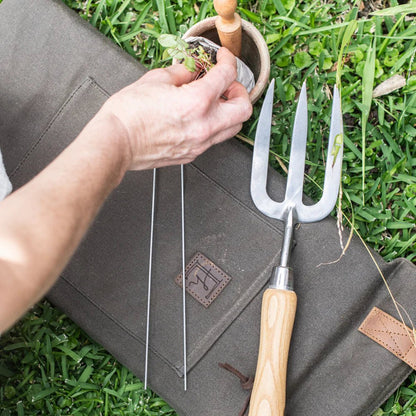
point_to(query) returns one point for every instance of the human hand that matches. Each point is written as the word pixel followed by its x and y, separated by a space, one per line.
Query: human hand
pixel 168 118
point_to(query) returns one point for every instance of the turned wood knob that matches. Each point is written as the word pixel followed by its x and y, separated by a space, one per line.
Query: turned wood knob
pixel 228 24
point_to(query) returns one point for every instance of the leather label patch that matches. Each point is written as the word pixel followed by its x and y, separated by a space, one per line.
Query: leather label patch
pixel 391 334
pixel 203 279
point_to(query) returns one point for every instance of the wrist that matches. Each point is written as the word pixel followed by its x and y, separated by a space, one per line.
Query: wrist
pixel 108 140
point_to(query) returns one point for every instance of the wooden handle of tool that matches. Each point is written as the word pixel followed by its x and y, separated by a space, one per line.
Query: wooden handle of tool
pixel 277 316
pixel 228 25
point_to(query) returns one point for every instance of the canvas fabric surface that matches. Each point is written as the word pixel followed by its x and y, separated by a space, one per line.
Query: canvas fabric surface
pixel 53 79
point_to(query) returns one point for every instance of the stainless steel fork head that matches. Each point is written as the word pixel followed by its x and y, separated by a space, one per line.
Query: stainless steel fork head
pixel 292 205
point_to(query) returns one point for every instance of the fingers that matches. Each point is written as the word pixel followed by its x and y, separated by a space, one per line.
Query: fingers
pixel 180 119
pixel 237 97
pixel 220 82
pixel 220 77
pixel 216 81
pixel 235 109
pixel 226 134
pixel 218 138
pixel 235 91
pixel 175 75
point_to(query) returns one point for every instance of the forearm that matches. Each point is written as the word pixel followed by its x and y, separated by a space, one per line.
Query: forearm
pixel 42 223
pixel 162 119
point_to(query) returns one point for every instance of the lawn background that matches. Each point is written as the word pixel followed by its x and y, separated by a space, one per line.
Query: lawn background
pixel 49 366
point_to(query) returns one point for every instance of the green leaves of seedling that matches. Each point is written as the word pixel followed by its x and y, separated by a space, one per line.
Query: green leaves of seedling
pixel 192 58
pixel 176 47
pixel 172 42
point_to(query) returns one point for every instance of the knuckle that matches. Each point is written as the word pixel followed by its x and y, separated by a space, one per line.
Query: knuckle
pixel 237 128
pixel 157 74
pixel 189 159
pixel 192 155
pixel 201 148
pixel 195 104
pixel 228 70
pixel 233 70
pixel 201 132
pixel 201 106
pixel 247 109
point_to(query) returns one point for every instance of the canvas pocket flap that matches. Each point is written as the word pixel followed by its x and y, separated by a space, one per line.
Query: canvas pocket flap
pixel 110 269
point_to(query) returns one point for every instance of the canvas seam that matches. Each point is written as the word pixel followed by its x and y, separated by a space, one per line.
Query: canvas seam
pixel 22 162
pixel 235 199
pixel 118 323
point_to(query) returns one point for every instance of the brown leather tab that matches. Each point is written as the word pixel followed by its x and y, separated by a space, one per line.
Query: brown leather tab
pixel 204 280
pixel 391 334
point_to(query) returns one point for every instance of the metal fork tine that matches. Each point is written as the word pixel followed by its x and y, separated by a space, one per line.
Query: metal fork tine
pixel 298 150
pixel 294 188
pixel 334 161
pixel 262 139
pixel 333 168
pixel 261 158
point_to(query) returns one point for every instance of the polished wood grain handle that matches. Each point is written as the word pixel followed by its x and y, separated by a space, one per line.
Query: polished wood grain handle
pixel 277 316
pixel 228 25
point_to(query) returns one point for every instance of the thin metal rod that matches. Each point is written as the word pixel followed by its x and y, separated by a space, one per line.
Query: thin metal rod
pixel 183 279
pixel 149 285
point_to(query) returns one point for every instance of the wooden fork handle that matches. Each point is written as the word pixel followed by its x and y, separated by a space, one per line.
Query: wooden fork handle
pixel 228 24
pixel 277 316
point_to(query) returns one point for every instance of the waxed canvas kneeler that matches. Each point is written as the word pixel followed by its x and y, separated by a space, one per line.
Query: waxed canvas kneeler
pixel 53 79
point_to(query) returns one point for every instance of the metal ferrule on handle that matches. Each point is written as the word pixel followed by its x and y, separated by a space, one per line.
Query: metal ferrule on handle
pixel 282 276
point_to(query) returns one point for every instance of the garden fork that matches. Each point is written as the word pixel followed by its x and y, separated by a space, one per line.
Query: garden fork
pixel 279 300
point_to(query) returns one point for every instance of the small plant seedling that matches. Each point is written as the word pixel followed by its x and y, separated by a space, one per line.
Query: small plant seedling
pixel 194 56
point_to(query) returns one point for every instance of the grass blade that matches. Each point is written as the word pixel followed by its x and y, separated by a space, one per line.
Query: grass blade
pixel 279 7
pixel 393 11
pixel 97 12
pixel 162 16
pixel 136 29
pixel 367 99
pixel 346 39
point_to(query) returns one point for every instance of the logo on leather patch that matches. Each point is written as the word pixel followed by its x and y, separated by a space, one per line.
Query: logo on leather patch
pixel 204 280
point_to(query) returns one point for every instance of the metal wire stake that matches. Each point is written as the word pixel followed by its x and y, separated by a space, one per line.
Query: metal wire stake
pixel 149 285
pixel 183 279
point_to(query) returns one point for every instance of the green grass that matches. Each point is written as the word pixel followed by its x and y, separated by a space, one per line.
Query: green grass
pixel 50 366
pixel 56 366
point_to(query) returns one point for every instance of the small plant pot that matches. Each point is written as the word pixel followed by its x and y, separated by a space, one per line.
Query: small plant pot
pixel 254 51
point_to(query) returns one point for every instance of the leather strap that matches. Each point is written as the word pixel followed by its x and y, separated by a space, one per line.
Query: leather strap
pixel 391 334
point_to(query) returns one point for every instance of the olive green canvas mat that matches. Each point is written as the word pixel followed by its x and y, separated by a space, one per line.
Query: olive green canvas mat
pixel 55 73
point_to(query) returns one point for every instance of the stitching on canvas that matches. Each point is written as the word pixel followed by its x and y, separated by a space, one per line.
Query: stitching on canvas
pixel 88 80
